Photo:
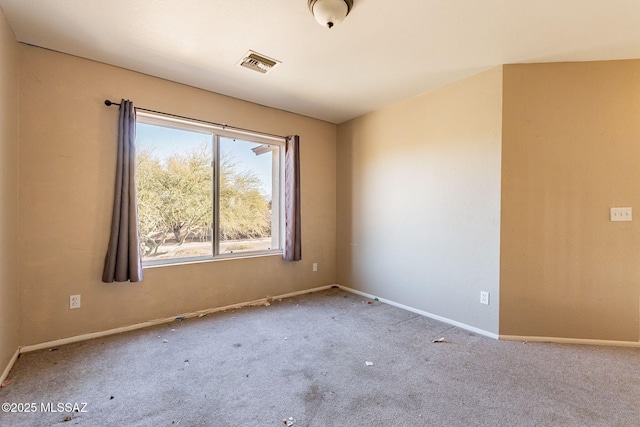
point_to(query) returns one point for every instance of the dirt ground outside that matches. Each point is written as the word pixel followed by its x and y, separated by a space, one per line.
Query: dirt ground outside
pixel 194 249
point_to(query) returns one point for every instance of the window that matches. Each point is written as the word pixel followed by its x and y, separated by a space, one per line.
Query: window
pixel 205 193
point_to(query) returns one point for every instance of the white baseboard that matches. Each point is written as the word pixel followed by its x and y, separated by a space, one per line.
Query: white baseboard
pixel 266 301
pixel 260 302
pixel 424 313
pixel 582 341
pixel 308 291
pixel 5 374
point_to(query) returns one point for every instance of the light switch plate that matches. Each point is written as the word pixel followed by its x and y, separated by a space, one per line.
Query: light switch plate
pixel 620 214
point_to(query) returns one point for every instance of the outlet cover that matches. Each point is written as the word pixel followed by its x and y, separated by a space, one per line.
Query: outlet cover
pixel 315 266
pixel 74 301
pixel 484 297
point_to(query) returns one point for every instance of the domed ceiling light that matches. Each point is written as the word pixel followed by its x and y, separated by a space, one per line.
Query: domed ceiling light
pixel 330 12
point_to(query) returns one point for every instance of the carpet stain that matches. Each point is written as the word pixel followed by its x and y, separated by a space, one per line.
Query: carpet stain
pixel 308 373
pixel 313 400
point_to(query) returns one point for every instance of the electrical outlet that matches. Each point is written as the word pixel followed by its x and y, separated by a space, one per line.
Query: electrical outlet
pixel 484 297
pixel 74 301
pixel 315 266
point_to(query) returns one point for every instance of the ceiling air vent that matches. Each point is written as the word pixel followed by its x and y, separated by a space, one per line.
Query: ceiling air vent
pixel 257 62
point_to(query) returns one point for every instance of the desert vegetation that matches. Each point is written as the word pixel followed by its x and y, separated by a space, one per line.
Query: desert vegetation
pixel 175 200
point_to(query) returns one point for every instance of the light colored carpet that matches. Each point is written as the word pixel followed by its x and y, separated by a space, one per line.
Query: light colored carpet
pixel 305 358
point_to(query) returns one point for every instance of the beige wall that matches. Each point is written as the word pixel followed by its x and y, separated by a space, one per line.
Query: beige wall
pixel 419 201
pixel 67 167
pixel 571 150
pixel 9 290
pixel 420 189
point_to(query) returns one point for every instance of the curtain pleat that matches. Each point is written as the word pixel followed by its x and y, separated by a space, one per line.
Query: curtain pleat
pixel 123 261
pixel 292 228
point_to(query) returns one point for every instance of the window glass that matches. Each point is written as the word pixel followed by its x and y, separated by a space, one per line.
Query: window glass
pixel 202 195
pixel 248 172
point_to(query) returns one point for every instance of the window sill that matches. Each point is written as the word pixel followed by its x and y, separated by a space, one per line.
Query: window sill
pixel 225 257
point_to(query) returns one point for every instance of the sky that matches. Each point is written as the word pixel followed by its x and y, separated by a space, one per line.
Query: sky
pixel 166 141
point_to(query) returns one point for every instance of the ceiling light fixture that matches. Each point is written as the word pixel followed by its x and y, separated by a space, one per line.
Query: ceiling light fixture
pixel 330 12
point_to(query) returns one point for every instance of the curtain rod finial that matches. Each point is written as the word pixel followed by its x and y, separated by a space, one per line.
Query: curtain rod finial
pixel 107 103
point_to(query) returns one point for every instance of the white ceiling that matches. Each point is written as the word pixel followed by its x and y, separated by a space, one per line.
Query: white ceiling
pixel 384 51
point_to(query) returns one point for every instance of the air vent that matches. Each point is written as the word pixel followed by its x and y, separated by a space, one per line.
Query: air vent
pixel 257 62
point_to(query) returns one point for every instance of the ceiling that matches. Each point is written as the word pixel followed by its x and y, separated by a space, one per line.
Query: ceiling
pixel 384 51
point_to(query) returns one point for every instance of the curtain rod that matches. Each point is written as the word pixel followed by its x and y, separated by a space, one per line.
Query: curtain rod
pixel 221 125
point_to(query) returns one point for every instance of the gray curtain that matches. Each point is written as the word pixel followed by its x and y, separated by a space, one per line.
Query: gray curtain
pixel 123 262
pixel 292 234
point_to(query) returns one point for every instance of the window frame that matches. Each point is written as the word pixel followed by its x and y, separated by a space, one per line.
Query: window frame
pixel 217 132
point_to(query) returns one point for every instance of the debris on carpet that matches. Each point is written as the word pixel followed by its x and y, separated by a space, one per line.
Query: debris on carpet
pixel 438 340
